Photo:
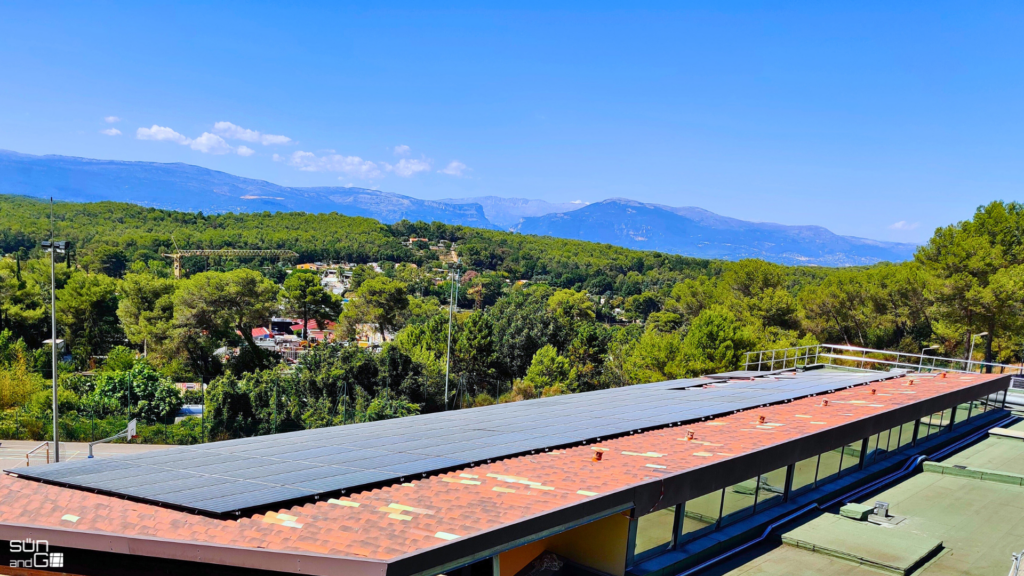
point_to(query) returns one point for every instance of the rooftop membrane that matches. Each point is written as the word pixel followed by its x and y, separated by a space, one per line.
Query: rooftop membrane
pixel 978 522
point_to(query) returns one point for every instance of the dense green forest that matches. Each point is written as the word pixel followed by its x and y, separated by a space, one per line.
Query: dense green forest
pixel 537 316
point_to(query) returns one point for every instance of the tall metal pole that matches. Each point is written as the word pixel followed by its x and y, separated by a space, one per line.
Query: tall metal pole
pixel 53 336
pixel 970 355
pixel 448 354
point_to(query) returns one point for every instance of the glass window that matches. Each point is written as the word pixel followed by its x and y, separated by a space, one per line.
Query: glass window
pixel 700 515
pixel 871 449
pixel 803 475
pixel 894 439
pixel 851 457
pixel 979 406
pixel 738 501
pixel 906 435
pixel 883 446
pixel 998 399
pixel 771 488
pixel 945 419
pixel 963 412
pixel 828 466
pixel 924 429
pixel 654 530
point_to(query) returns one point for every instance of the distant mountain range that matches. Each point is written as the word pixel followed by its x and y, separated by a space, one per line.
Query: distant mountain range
pixel 697 232
pixel 192 188
pixel 689 231
pixel 508 212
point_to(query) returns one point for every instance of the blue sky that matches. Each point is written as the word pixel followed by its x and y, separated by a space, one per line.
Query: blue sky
pixel 881 120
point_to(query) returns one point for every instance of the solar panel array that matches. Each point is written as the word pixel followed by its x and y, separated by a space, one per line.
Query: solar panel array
pixel 249 473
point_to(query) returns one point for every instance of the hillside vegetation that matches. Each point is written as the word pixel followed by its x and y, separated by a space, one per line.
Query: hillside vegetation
pixel 538 316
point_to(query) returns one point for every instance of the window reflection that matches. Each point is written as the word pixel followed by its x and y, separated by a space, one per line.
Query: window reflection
pixel 828 466
pixel 804 472
pixel 654 530
pixel 851 457
pixel 738 501
pixel 700 515
pixel 771 488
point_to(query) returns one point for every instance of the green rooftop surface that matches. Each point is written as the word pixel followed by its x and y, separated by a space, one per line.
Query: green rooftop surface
pixel 996 454
pixel 856 511
pixel 979 523
pixel 886 549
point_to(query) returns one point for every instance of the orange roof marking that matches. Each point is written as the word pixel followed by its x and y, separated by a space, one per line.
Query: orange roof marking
pixel 396 520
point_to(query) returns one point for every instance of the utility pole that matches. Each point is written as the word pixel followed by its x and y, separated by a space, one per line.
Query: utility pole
pixel 53 335
pixel 453 295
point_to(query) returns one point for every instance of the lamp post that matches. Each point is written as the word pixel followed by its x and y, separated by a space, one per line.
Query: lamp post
pixel 970 356
pixel 53 247
pixel 920 364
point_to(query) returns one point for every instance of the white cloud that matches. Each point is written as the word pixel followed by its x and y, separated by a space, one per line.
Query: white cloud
pixel 277 157
pixel 351 165
pixel 235 132
pixel 402 150
pixel 904 225
pixel 268 139
pixel 161 134
pixel 211 144
pixel 111 119
pixel 407 167
pixel 454 168
pixel 111 132
pixel 207 143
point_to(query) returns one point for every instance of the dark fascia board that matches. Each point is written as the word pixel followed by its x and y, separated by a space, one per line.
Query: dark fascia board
pixel 251 558
pixel 699 481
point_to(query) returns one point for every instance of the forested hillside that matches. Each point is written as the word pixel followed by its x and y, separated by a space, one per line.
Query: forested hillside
pixel 537 316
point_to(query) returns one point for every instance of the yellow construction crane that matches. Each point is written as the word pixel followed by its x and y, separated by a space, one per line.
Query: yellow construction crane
pixel 177 256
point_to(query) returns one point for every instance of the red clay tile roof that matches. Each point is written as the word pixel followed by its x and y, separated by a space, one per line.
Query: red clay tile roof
pixel 405 518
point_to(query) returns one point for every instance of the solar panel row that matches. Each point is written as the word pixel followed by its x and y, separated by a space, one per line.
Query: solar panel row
pixel 236 475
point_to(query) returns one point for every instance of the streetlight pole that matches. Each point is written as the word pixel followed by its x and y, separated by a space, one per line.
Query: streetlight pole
pixel 451 304
pixel 53 335
pixel 970 356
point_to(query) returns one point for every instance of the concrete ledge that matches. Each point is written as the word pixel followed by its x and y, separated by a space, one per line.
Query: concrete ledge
pixel 1006 433
pixel 974 473
pixel 890 551
pixel 856 511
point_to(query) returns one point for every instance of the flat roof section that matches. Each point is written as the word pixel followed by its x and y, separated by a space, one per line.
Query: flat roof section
pixel 249 473
pixel 420 524
pixel 978 518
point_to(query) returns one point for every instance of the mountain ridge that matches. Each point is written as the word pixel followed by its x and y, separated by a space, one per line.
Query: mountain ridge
pixel 686 230
pixel 191 188
pixel 701 233
pixel 508 212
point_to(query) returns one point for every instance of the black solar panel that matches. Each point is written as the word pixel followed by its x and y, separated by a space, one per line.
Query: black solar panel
pixel 252 473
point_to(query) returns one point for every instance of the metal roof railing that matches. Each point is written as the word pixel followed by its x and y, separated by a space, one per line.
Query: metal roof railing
pixel 857 358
